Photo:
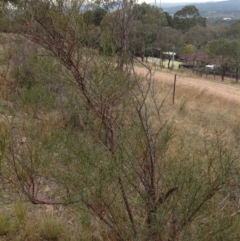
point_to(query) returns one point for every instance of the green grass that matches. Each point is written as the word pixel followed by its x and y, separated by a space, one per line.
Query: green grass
pixel 4 224
pixel 50 228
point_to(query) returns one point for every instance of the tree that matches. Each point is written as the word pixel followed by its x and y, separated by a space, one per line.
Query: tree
pixel 146 25
pixel 233 32
pixel 143 22
pixel 187 18
pixel 169 19
pixel 221 52
pixel 115 28
pixel 188 49
pixel 95 16
pixel 169 39
pixel 198 36
pixel 195 40
pixel 235 45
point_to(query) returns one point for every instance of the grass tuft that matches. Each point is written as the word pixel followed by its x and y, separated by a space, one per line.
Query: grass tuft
pixel 50 228
pixel 4 224
pixel 183 106
pixel 20 212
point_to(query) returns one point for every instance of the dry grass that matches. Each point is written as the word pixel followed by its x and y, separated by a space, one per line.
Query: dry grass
pixel 153 64
pixel 190 74
pixel 196 113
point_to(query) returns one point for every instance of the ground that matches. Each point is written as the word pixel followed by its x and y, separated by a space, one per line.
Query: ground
pixel 227 89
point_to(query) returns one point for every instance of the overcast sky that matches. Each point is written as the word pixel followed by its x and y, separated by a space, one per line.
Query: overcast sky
pixel 180 1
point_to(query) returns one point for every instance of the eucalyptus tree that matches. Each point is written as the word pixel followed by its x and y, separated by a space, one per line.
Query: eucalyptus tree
pixel 169 19
pixel 169 40
pixel 221 52
pixel 147 24
pixel 198 36
pixel 143 24
pixel 187 18
pixel 235 45
pixel 233 31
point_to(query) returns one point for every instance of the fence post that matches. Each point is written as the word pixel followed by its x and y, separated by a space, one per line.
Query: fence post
pixel 174 87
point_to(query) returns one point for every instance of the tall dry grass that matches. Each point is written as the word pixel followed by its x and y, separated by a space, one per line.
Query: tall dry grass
pixel 196 112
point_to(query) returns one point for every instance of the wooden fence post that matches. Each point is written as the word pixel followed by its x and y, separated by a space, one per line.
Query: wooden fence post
pixel 174 87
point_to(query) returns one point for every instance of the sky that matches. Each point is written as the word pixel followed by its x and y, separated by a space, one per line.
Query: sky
pixel 180 1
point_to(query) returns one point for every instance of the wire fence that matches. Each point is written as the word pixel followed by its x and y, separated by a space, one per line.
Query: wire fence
pixel 206 71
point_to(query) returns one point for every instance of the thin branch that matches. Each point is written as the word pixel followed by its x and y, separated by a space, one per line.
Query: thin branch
pixel 130 215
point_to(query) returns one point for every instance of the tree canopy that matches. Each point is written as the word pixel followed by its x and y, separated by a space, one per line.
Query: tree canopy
pixel 187 18
pixel 142 25
pixel 223 52
pixel 233 32
pixel 198 36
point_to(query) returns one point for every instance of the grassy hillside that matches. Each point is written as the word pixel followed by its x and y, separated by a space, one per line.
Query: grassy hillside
pixel 58 180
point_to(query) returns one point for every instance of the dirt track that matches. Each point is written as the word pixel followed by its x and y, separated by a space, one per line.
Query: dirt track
pixel 228 91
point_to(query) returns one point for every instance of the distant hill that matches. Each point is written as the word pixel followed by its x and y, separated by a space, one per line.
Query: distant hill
pixel 165 5
pixel 209 9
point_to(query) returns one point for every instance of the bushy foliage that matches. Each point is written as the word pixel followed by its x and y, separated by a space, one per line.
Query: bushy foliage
pixel 93 131
pixel 187 18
